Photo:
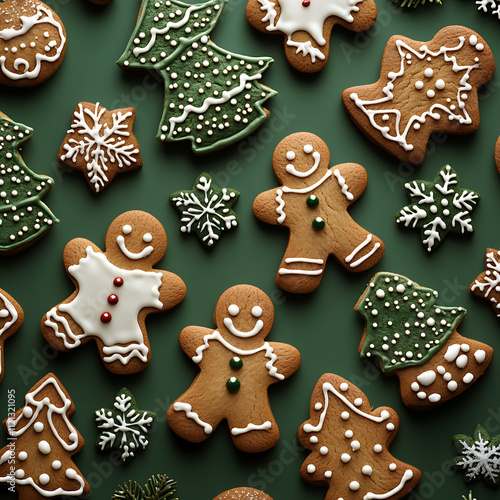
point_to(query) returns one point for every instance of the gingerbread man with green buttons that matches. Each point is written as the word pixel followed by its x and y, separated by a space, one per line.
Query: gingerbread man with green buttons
pixel 312 203
pixel 236 368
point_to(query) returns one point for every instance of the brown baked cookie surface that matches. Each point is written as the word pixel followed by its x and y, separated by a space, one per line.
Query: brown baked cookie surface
pixel 243 494
pixel 497 154
pixel 11 319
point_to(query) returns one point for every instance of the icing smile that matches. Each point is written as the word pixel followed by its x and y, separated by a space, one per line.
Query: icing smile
pixel 234 310
pixel 308 149
pixel 145 252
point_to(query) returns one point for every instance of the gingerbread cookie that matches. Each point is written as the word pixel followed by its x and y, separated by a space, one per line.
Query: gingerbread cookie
pixel 213 97
pixel 32 42
pixel 243 494
pixel 11 318
pixel 307 25
pixel 206 209
pixel 25 218
pixel 236 368
pixel 312 203
pixel 418 341
pixel 487 284
pixel 37 461
pixel 115 291
pixel 424 87
pixel 497 154
pixel 349 444
pixel 438 207
pixel 100 144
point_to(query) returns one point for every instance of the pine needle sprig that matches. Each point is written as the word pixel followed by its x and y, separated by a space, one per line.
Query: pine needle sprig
pixel 159 487
pixel 415 3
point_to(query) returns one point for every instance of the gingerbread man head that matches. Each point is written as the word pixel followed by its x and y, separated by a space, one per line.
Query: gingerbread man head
pixel 301 159
pixel 244 316
pixel 139 237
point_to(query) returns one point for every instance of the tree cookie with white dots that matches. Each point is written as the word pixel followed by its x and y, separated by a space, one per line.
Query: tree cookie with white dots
pixel 32 42
pixel 418 341
pixel 115 291
pixel 349 444
pixel 424 87
pixel 37 463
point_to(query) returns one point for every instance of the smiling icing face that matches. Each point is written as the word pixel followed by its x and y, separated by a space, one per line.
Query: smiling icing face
pixel 234 310
pixel 145 252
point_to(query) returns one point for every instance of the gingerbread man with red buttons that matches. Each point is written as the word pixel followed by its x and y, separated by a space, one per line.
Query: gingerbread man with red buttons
pixel 312 203
pixel 236 368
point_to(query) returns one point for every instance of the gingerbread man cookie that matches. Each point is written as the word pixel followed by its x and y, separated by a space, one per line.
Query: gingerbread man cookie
pixel 423 87
pixel 32 42
pixel 307 25
pixel 349 444
pixel 243 494
pixel 115 291
pixel 418 341
pixel 236 368
pixel 11 318
pixel 312 203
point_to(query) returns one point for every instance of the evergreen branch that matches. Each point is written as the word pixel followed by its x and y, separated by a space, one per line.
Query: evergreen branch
pixel 415 3
pixel 159 487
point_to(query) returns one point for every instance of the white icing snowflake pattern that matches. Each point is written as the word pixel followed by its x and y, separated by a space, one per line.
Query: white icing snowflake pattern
pixel 489 6
pixel 99 143
pixel 491 280
pixel 128 426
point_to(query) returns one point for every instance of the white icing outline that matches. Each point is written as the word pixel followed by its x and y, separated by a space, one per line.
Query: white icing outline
pixel 292 260
pixel 186 408
pixel 343 185
pixel 297 173
pixel 236 431
pixel 359 248
pixel 12 311
pixel 308 189
pixel 145 252
pixel 281 205
pixel 228 323
pixel 382 496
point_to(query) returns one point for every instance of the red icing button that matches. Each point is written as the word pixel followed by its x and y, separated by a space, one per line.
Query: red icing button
pixel 112 299
pixel 118 281
pixel 105 317
pixel 306 3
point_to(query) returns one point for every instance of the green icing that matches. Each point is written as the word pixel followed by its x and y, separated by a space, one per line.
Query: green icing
pixel 312 201
pixel 212 96
pixel 236 363
pixel 233 384
pixel 403 327
pixel 318 223
pixel 23 216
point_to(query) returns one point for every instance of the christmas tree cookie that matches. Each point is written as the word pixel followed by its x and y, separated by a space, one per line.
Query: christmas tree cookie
pixel 25 218
pixel 349 444
pixel 424 87
pixel 39 465
pixel 307 25
pixel 11 318
pixel 100 144
pixel 418 341
pixel 213 97
pixel 115 291
pixel 487 284
pixel 237 366
pixel 438 207
pixel 312 203
pixel 206 209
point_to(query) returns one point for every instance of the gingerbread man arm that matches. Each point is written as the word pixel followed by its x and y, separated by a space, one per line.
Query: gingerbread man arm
pixel 352 180
pixel 76 249
pixel 266 206
pixel 288 359
pixel 193 337
pixel 172 290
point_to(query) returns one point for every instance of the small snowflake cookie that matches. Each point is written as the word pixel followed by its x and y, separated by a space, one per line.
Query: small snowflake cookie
pixel 491 6
pixel 424 87
pixel 438 208
pixel 206 209
pixel 24 216
pixel 243 494
pixel 312 203
pixel 100 144
pixel 479 456
pixel 11 318
pixel 115 291
pixel 236 366
pixel 123 427
pixel 307 25
pixel 487 284
pixel 32 42
pixel 40 464
pixel 418 341
pixel 349 444
pixel 213 97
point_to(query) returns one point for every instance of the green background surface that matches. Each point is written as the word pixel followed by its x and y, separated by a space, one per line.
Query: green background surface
pixel 321 325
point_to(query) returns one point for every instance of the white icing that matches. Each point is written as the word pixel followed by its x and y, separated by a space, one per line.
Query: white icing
pixel 452 352
pixel 305 260
pixel 461 361
pixel 9 310
pixel 233 310
pixel 256 311
pixel 145 252
pixel 228 323
pixel 343 185
pixel 311 468
pixel 236 431
pixel 281 204
pixel 308 189
pixel 480 356
pixel 297 173
pixel 382 496
pixel 427 378
pixel 468 378
pixel 360 247
pixel 186 408
pixel 434 398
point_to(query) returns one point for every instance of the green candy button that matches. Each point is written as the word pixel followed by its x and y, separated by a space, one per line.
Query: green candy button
pixel 318 223
pixel 236 363
pixel 312 201
pixel 233 384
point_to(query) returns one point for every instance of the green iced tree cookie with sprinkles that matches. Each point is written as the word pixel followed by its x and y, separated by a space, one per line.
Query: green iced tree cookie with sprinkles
pixel 438 207
pixel 206 209
pixel 418 341
pixel 213 97
pixel 24 217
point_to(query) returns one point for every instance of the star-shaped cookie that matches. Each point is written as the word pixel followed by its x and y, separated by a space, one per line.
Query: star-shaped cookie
pixel 487 284
pixel 100 143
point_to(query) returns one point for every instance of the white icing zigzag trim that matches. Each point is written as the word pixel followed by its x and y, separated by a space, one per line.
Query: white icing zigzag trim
pixel 236 431
pixel 187 408
pixel 12 311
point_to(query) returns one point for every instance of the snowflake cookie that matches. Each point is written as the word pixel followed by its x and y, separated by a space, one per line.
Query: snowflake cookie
pixel 423 87
pixel 11 318
pixel 236 366
pixel 25 218
pixel 492 6
pixel 100 144
pixel 479 456
pixel 206 209
pixel 213 97
pixel 418 341
pixel 312 203
pixel 349 444
pixel 487 284
pixel 123 427
pixel 307 25
pixel 243 494
pixel 115 291
pixel 32 42
pixel 39 465
pixel 439 207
